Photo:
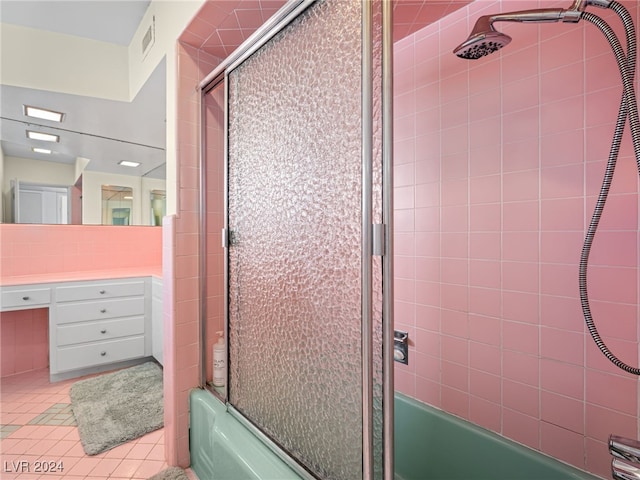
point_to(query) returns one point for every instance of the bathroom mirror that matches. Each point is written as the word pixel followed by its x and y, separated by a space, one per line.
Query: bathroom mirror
pixel 102 138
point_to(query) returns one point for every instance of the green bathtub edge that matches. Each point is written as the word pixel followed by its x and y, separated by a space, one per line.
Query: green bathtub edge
pixel 430 443
pixel 223 449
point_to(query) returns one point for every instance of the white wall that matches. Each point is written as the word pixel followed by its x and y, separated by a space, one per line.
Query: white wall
pixel 141 204
pixel 172 17
pixel 44 60
pixel 37 171
pixel 80 165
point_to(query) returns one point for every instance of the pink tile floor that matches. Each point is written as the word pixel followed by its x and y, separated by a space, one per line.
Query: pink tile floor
pixel 25 396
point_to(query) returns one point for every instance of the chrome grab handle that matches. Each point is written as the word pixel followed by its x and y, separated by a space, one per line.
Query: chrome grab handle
pixel 625 448
pixel 621 470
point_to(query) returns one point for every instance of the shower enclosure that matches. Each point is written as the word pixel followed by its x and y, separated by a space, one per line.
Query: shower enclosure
pixel 296 138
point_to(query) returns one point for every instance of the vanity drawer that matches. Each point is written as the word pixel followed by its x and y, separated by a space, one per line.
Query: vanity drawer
pixel 98 290
pixel 80 312
pixel 80 356
pixel 95 331
pixel 24 297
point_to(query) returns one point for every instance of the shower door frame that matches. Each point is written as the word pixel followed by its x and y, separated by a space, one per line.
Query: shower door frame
pixel 376 238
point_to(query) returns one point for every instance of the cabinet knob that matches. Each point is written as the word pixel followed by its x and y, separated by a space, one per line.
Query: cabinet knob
pixel 104 330
pixel 103 310
pixel 103 353
pixel 102 292
pixel 25 298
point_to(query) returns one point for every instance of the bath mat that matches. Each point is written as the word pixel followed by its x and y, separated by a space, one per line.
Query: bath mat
pixel 171 473
pixel 113 408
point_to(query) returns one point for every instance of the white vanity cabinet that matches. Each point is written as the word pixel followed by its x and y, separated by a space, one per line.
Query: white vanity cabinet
pixel 95 325
pixel 25 296
pixel 157 327
pixel 98 323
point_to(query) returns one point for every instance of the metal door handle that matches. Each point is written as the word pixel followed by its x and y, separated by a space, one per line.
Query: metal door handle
pixel 103 331
pixel 103 353
pixel 103 310
pixel 25 298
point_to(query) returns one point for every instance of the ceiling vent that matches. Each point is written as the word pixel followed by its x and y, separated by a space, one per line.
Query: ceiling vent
pixel 149 38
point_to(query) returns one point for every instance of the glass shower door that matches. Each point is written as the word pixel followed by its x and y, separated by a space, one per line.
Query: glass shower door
pixel 304 288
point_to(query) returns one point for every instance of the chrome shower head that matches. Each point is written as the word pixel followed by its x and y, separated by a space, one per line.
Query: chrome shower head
pixel 485 39
pixel 482 44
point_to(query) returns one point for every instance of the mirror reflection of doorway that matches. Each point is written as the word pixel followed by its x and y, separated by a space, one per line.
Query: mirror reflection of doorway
pixel 158 206
pixel 39 203
pixel 117 204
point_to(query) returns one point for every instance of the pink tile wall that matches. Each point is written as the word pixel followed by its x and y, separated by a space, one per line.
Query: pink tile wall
pixel 59 249
pixel 217 29
pixel 24 341
pixel 181 284
pixel 498 163
pixel 221 27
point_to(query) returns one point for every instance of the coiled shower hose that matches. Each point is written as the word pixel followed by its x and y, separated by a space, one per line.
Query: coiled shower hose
pixel 628 108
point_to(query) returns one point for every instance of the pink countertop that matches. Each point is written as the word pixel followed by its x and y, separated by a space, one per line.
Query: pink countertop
pixel 81 276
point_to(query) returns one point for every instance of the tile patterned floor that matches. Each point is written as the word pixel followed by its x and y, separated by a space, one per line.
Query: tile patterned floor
pixel 39 439
pixel 56 414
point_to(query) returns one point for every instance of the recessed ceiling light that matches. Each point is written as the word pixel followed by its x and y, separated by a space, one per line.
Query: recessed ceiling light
pixel 45 137
pixel 42 113
pixel 41 150
pixel 127 163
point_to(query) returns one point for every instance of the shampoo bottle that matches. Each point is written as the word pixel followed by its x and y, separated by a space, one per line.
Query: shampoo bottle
pixel 219 362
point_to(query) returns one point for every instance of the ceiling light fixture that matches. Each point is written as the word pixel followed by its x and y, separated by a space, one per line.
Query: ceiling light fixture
pixel 41 150
pixel 45 137
pixel 127 163
pixel 42 113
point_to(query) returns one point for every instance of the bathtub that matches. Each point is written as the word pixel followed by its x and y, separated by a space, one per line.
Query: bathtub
pixel 429 444
pixel 223 449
